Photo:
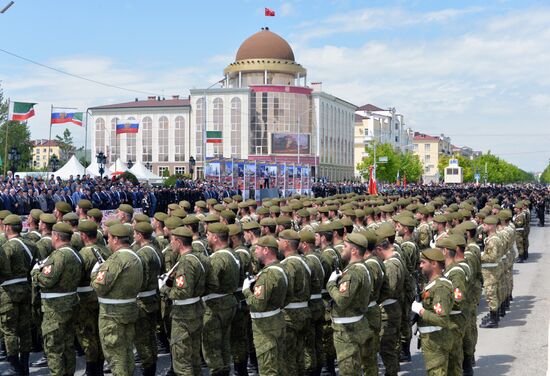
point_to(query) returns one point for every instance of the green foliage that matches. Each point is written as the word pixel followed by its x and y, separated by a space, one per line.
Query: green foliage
pixel 129 177
pixel 407 164
pixel 65 143
pixel 545 176
pixel 171 181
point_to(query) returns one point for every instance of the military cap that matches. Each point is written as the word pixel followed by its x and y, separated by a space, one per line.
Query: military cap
pixel 237 198
pixel 519 205
pixel 481 215
pixel 304 213
pixel 432 254
pixel 50 219
pixel 289 235
pixel 387 208
pixel 268 222
pixel 336 225
pixel 357 239
pixel 144 228
pixel 491 220
pixel 275 209
pixel 369 211
pixel 95 213
pixel 307 237
pixel 346 222
pixel 307 204
pixel 190 220
pixel 458 239
pixel 70 217
pixel 412 207
pixel 185 204
pixel 219 207
pixel 182 232
pixel 63 228
pixel 268 241
pixel 111 222
pixel 140 217
pixel 262 211
pixel 36 213
pixel 119 230
pixel 324 227
pixel 234 229
pixel 296 206
pixel 370 235
pixel 211 218
pixel 385 230
pixel 286 209
pixel 406 221
pixel 126 209
pixel 218 228
pixel 63 207
pixel 504 214
pixel 283 220
pixel 440 218
pixel 178 213
pixel 173 222
pixel 211 201
pixel 232 206
pixel 349 212
pixel 424 210
pixel 464 213
pixel 85 204
pixel 87 226
pixel 323 209
pixel 250 225
pixel 4 214
pixel 445 242
pixel 360 213
pixel 12 220
pixel 313 211
pixel 468 225
pixel 227 214
pixel 173 206
pixel 200 204
pixel 333 208
pixel 160 216
pixel 227 200
pixel 243 205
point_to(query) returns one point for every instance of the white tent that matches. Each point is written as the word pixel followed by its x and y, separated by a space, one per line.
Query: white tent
pixel 118 166
pixel 142 173
pixel 93 169
pixel 72 167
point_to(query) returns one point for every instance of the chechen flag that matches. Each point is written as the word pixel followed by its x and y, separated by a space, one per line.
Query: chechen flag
pixel 269 12
pixel 21 111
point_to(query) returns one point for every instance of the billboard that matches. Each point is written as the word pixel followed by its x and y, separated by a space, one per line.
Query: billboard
pixel 289 143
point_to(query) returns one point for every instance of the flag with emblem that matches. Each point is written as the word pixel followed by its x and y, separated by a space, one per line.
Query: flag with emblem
pixel 60 117
pixel 269 12
pixel 127 126
pixel 21 111
pixel 214 137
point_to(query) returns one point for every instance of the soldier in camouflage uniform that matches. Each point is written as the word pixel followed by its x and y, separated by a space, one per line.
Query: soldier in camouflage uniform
pixel 72 220
pixel 266 297
pixel 33 220
pixel 95 215
pixel 491 271
pixel 158 226
pixel 423 230
pixel 519 221
pixel 117 282
pixel 58 279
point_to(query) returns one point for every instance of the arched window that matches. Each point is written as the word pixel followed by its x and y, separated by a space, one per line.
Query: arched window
pixel 163 139
pixel 179 139
pixel 217 124
pixel 147 139
pixel 100 135
pixel 236 128
pixel 114 142
pixel 199 124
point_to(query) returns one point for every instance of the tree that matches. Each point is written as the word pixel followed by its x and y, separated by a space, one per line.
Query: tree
pixel 18 137
pixel 65 144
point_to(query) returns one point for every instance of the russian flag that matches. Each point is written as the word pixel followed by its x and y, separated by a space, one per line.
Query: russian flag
pixel 67 117
pixel 127 126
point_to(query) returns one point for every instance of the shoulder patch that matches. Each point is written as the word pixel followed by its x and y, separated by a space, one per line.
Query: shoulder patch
pixel 344 287
pixel 180 281
pixel 438 309
pixel 46 270
pixel 100 277
pixel 259 291
pixel 457 294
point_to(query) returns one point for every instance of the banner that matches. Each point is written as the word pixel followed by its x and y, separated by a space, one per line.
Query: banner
pixel 212 171
pixel 263 177
pixel 271 170
pixel 298 184
pixel 227 172
pixel 306 183
pixel 250 175
pixel 281 177
pixel 290 143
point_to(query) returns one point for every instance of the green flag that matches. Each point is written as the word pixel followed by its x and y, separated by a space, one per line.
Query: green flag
pixel 21 111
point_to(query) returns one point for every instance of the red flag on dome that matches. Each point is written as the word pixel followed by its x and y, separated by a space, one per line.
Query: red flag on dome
pixel 269 12
pixel 373 190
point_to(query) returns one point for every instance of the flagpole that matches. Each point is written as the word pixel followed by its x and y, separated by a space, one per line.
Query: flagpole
pixel 50 136
pixel 86 142
pixel 6 145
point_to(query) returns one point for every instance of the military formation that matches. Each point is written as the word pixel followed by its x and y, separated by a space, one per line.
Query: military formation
pixel 294 286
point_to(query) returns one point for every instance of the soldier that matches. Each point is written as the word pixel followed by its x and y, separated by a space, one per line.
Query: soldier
pixel 491 271
pixel 184 286
pixel 125 215
pixel 33 220
pixel 96 216
pixel 252 232
pixel 266 297
pixel 61 208
pixel 82 208
pixel 17 257
pixel 350 290
pixel 87 330
pixel 519 221
pixel 220 301
pixel 58 278
pixel 440 228
pixel 72 220
pixel 423 230
pixel 434 309
pixel 117 282
pixel 147 298
pixel 158 227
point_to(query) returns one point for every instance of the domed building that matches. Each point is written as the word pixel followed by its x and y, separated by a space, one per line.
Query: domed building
pixel 264 107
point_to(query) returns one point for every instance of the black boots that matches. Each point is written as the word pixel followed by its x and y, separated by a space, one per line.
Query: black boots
pixel 405 355
pixel 42 362
pixel 467 369
pixel 24 361
pixel 14 368
pixel 329 367
pixel 240 369
pixel 492 322
pixel 502 310
pixel 150 371
pixel 3 355
pixel 94 368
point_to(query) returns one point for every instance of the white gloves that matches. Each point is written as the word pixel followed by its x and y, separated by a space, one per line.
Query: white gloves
pixel 334 276
pixel 95 268
pixel 416 307
pixel 247 283
pixel 162 283
pixel 37 266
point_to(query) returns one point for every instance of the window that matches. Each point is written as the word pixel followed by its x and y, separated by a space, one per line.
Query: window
pixel 162 170
pixel 199 123
pixel 236 128
pixel 163 139
pixel 217 123
pixel 147 139
pixel 99 135
pixel 415 147
pixel 37 151
pixel 427 147
pixel 179 170
pixel 44 150
pixel 427 157
pixel 179 139
pixel 114 140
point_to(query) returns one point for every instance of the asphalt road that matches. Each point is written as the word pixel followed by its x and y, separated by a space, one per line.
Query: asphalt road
pixel 518 347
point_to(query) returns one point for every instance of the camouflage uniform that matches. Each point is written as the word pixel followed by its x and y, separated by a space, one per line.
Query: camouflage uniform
pixel 472 255
pixel 411 256
pixel 491 271
pixel 331 258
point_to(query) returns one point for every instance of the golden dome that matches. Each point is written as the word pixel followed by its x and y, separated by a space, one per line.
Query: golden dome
pixel 265 45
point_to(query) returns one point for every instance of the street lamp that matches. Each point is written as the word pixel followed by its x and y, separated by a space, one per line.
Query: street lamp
pixel 192 163
pixel 14 156
pixel 130 164
pixel 148 166
pixel 54 162
pixel 101 159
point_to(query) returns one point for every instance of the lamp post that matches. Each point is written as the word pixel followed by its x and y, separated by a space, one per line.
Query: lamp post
pixel 101 160
pixel 192 163
pixel 14 156
pixel 130 164
pixel 54 162
pixel 148 166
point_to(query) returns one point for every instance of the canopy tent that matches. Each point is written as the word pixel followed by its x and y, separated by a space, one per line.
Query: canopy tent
pixel 93 169
pixel 72 167
pixel 118 167
pixel 142 173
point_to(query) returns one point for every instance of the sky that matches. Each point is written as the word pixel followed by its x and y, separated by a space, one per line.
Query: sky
pixel 477 71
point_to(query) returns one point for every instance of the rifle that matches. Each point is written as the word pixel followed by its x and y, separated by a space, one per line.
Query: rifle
pixel 163 278
pixel 100 259
pixel 415 316
pixel 336 267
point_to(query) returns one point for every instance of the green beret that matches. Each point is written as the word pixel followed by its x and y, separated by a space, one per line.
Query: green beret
pixel 432 254
pixel 49 219
pixel 12 220
pixel 190 220
pixel 219 207
pixel 407 221
pixel 111 222
pixel 505 214
pixel 262 211
pixel 387 208
pixel 87 226
pixel 173 222
pixel 227 200
pixel 200 204
pixel 469 225
pixel 286 209
pixel 242 205
pixel 36 213
pixel 218 228
pixel 458 239
pixel 85 204
pixel 323 209
pixel 119 230
pixel 304 213
pixel 283 220
pixel 385 230
pixel 268 222
pixel 423 210
pixel 160 216
pixel 336 225
pixel 4 214
pixel 185 204
pixel 349 212
pixel 70 217
pixel 445 242
pixel 307 237
pixel 178 213
pixel 211 218
pixel 211 201
pixel 357 239
pixel 234 206
pixel 63 228
pixel 174 207
pixel 237 198
pixel 346 222
pixel 324 227
pixel 296 206
pixel 63 207
pixel 126 209
pixel 139 217
pixel 95 213
pixel 491 220
pixel 360 213
pixel 182 232
pixel 234 229
pixel 440 218
pixel 144 228
pixel 250 225
pixel 275 209
pixel 268 241
pixel 289 235
pixel 228 214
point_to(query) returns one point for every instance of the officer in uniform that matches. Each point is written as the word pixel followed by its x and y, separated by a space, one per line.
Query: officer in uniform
pixel 434 323
pixel 58 278
pixel 33 220
pixel 350 291
pixel 519 221
pixel 490 269
pixel 117 282
pixel 266 297
pixel 95 215
pixel 87 330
